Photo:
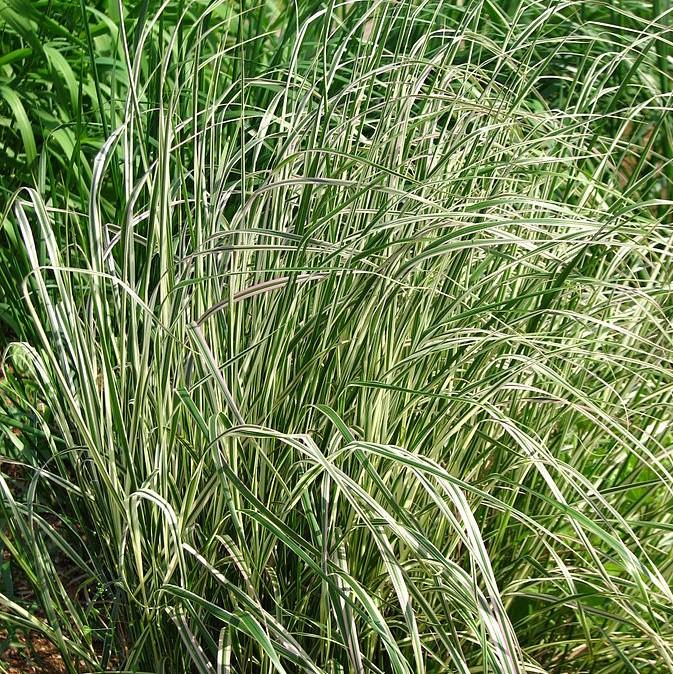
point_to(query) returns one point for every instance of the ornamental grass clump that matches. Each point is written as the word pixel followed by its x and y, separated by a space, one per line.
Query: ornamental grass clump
pixel 357 355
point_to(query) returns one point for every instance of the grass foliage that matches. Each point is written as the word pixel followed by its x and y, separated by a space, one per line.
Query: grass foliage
pixel 350 350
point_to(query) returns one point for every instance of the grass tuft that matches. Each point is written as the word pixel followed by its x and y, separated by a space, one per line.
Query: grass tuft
pixel 350 349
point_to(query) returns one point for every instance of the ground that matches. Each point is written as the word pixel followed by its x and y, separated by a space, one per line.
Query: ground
pixel 31 655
